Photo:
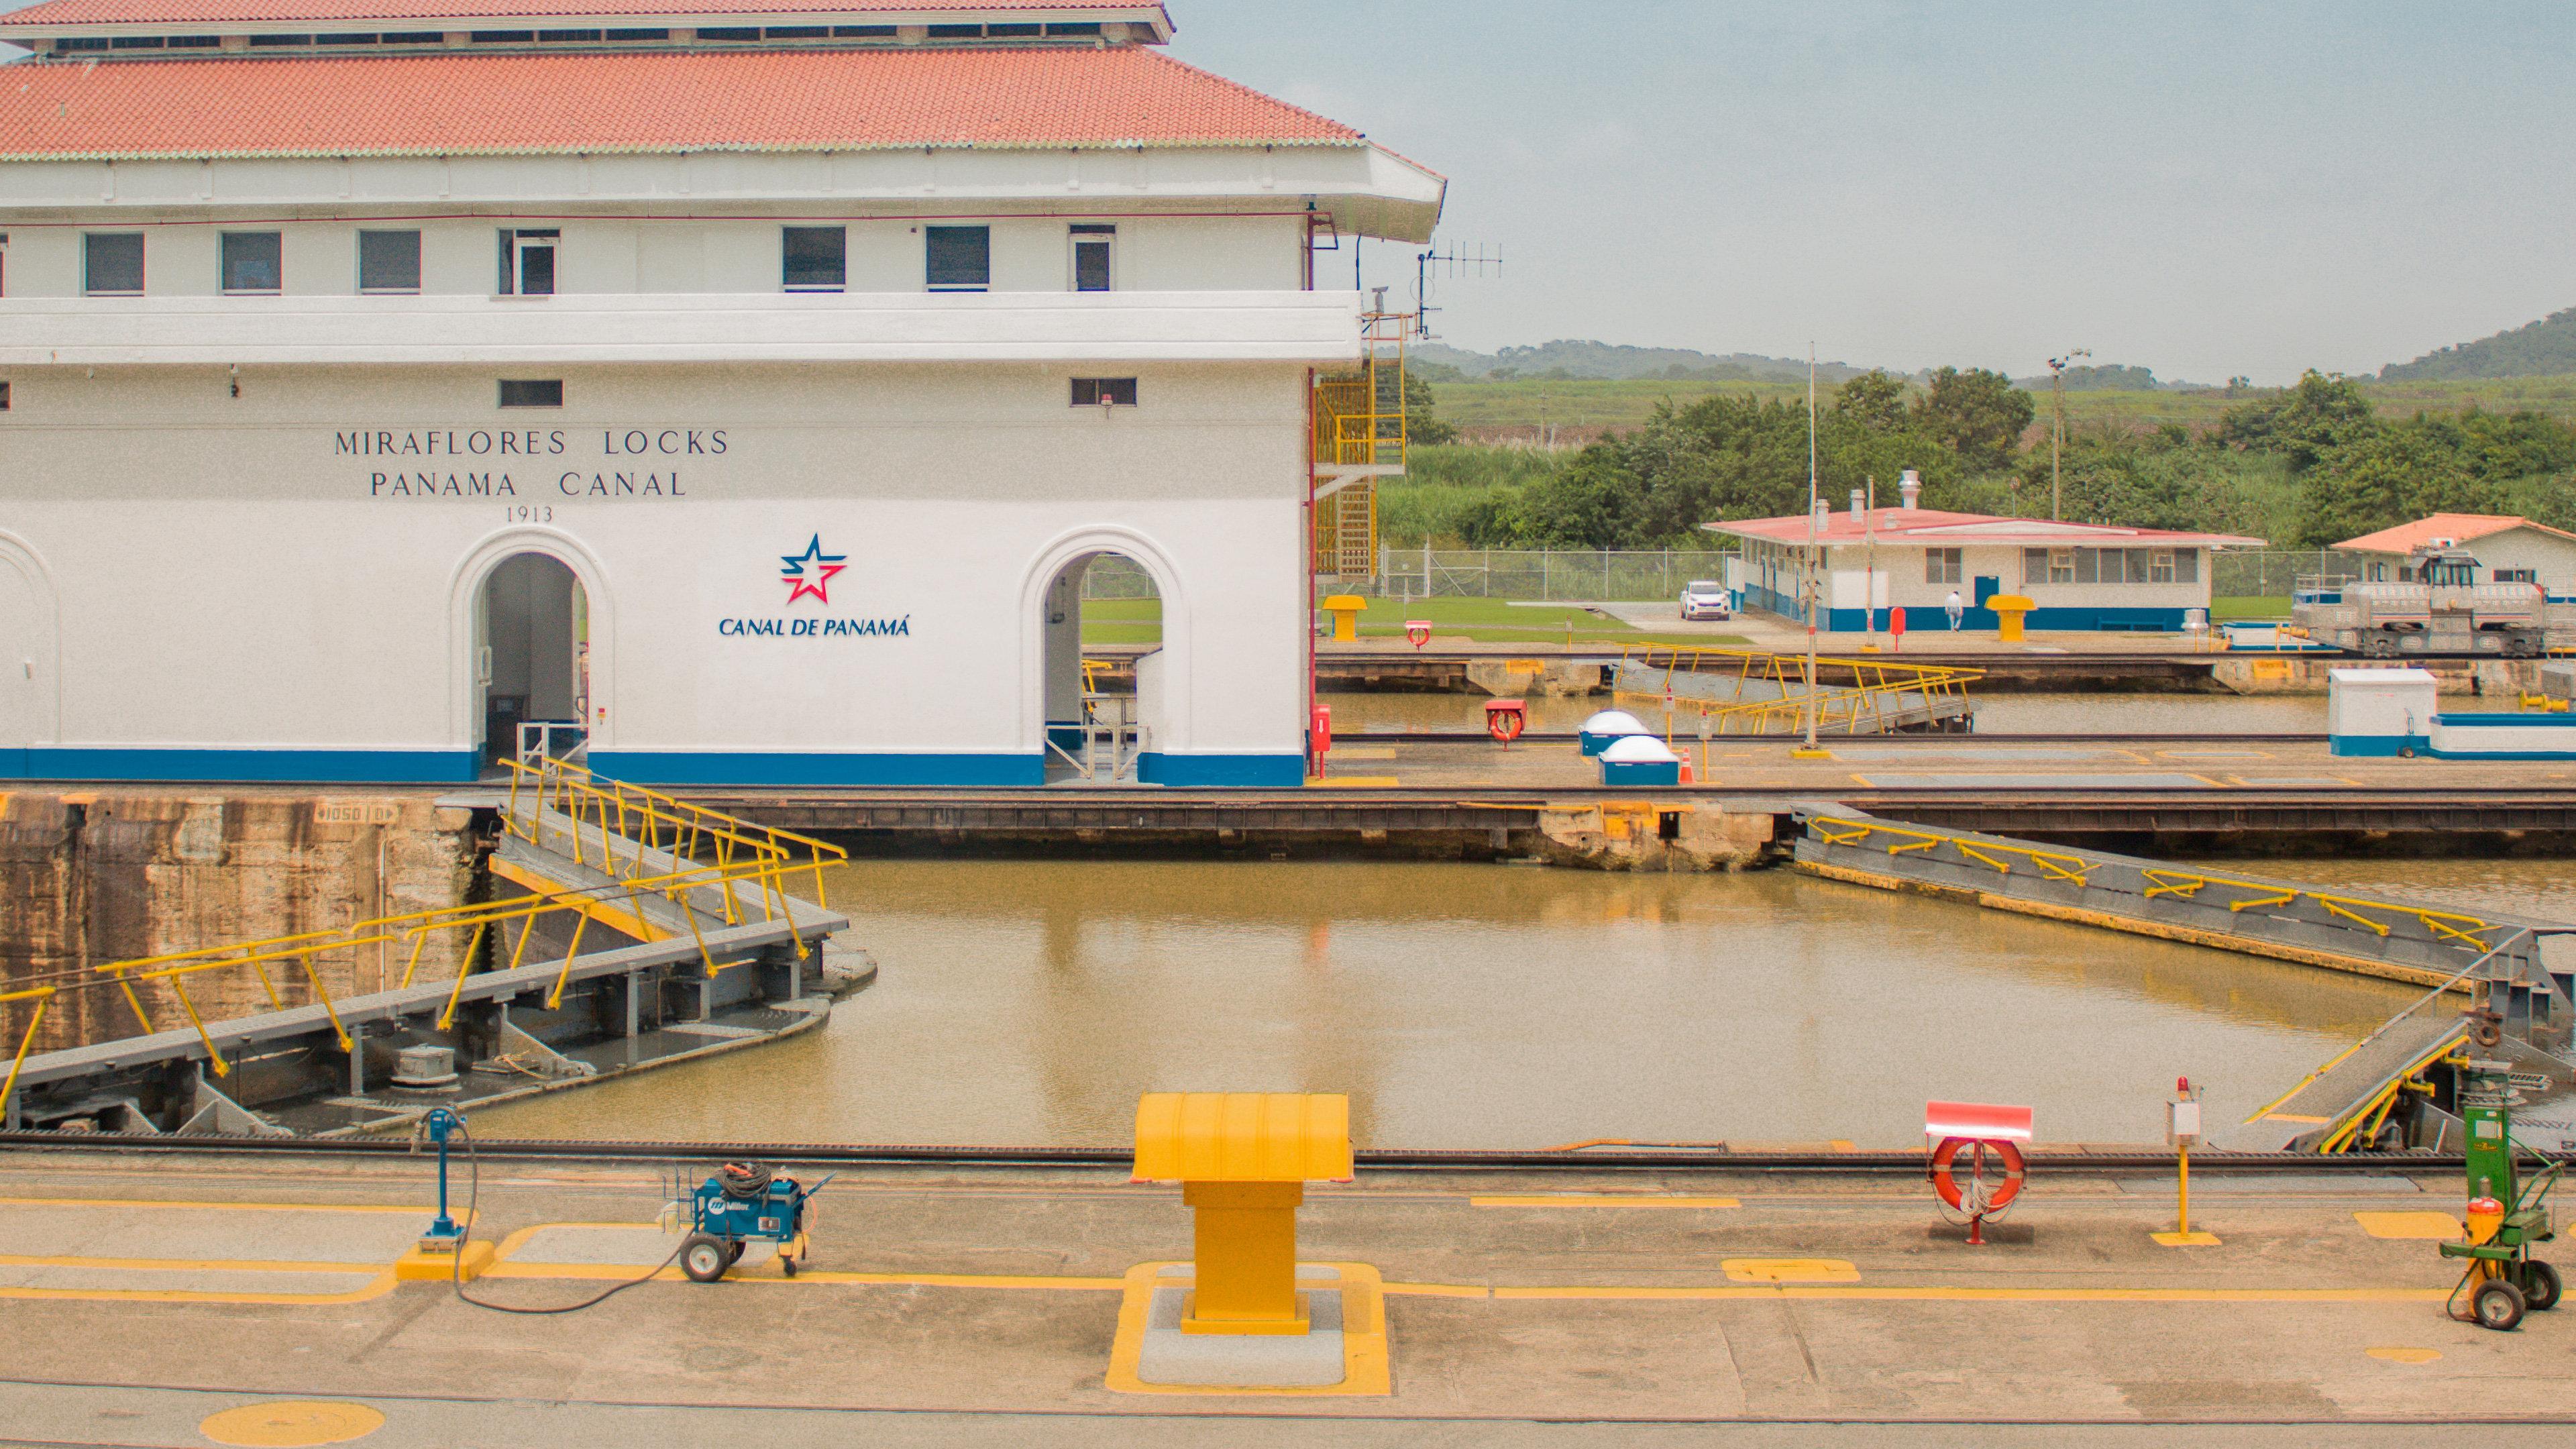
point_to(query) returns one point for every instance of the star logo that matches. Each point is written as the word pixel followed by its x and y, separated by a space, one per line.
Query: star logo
pixel 810 572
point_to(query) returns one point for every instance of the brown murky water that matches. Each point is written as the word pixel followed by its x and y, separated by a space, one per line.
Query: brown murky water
pixel 1492 1006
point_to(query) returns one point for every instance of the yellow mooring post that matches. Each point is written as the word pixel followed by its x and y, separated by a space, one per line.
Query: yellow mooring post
pixel 1243 1160
pixel 1345 609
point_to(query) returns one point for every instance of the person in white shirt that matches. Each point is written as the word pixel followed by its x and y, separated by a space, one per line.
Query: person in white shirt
pixel 1957 610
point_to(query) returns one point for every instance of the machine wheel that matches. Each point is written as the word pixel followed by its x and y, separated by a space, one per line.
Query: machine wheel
pixel 2381 647
pixel 703 1258
pixel 733 1253
pixel 2540 1286
pixel 787 1266
pixel 2498 1304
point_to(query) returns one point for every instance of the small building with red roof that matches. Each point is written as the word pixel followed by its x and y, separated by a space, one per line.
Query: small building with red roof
pixel 2508 548
pixel 1862 563
pixel 740 387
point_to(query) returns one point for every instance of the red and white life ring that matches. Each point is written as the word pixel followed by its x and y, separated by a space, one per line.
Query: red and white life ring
pixel 1943 1170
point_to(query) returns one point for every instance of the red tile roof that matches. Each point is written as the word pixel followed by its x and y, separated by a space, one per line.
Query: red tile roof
pixel 72 14
pixel 1930 527
pixel 2459 527
pixel 531 104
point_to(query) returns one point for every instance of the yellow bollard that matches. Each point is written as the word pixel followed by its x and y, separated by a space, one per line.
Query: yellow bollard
pixel 1345 609
pixel 1243 1160
pixel 2010 610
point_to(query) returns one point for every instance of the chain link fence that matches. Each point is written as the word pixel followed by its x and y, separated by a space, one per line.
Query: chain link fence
pixel 2273 572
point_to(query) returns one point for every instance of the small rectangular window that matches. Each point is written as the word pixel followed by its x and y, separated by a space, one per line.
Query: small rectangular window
pixel 728 32
pixel 956 32
pixel 1091 246
pixel 4 397
pixel 80 42
pixel 1073 27
pixel 251 261
pixel 2088 565
pixel 389 261
pixel 2061 565
pixel 2034 566
pixel 2517 576
pixel 344 40
pixel 1941 565
pixel 2186 566
pixel 528 262
pixel 136 42
pixel 798 32
pixel 2141 568
pixel 531 393
pixel 863 32
pixel 112 264
pixel 414 37
pixel 960 258
pixel 638 33
pixel 1013 31
pixel 565 37
pixel 281 40
pixel 1092 392
pixel 2160 566
pixel 814 258
pixel 501 37
pixel 195 42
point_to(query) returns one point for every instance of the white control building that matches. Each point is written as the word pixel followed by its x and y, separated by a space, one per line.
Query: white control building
pixel 749 385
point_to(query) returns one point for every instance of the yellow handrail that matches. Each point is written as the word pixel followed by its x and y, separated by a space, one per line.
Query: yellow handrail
pixel 43 996
pixel 2055 864
pixel 1878 694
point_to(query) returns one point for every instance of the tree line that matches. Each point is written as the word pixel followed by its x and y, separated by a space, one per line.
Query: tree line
pixel 2306 466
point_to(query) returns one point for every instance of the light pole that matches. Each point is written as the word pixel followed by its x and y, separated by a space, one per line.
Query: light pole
pixel 1814 590
pixel 2057 433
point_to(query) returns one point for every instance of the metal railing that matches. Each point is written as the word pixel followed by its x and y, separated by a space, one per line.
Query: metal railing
pixel 2273 572
pixel 1356 425
pixel 1549 575
pixel 1881 693
pixel 609 826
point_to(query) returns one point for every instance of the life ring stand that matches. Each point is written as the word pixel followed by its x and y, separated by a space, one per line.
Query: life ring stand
pixel 1979 1204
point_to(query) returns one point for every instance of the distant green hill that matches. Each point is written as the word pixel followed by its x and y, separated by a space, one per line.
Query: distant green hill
pixel 2535 349
pixel 1570 360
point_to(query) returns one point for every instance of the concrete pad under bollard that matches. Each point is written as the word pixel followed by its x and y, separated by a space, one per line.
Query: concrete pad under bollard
pixel 1344 1352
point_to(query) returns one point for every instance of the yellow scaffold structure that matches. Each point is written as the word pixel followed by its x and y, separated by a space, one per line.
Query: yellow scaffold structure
pixel 1755 692
pixel 1360 437
pixel 710 867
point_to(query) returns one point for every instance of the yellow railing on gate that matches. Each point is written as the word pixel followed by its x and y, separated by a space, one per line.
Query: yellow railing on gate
pixel 43 996
pixel 2375 916
pixel 702 862
pixel 1881 694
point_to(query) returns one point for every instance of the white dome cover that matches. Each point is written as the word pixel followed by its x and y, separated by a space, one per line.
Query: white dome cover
pixel 1613 722
pixel 1638 750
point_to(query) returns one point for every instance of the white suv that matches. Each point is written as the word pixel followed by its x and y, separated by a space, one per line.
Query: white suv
pixel 1706 599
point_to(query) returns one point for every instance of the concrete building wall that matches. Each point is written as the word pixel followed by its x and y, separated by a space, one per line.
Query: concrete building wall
pixel 284 584
pixel 460 255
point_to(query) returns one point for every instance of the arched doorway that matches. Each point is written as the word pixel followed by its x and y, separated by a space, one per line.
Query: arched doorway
pixel 1103 669
pixel 27 687
pixel 532 652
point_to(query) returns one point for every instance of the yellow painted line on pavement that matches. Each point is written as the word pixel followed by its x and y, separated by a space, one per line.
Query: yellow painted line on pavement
pixel 187 1265
pixel 1599 1200
pixel 1931 1293
pixel 382 1284
pixel 1437 1290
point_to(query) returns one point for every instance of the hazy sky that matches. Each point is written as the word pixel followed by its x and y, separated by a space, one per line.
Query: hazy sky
pixel 2204 189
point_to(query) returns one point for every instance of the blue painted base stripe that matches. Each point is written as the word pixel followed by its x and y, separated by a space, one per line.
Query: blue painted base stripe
pixel 282 766
pixel 2569 754
pixel 2375 746
pixel 1242 771
pixel 693 767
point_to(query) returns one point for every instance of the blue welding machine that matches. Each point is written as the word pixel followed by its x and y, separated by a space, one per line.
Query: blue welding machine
pixel 745 1202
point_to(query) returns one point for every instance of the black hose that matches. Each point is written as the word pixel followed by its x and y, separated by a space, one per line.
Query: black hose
pixel 456 1265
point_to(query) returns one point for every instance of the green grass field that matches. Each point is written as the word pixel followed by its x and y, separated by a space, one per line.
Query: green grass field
pixel 2255 606
pixel 1526 402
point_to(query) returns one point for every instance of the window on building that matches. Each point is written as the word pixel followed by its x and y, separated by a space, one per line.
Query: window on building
pixel 4 397
pixel 1943 565
pixel 2186 566
pixel 4 264
pixel 69 43
pixel 112 264
pixel 2517 576
pixel 1091 244
pixel 960 258
pixel 814 258
pixel 135 42
pixel 798 32
pixel 863 32
pixel 388 261
pixel 1073 27
pixel 259 40
pixel 501 37
pixel 2034 566
pixel 2160 566
pixel 251 261
pixel 1091 392
pixel 1014 30
pixel 728 32
pixel 528 262
pixel 566 37
pixel 345 39
pixel 2061 565
pixel 195 42
pixel 531 392
pixel 414 37
pixel 638 33
pixel 956 32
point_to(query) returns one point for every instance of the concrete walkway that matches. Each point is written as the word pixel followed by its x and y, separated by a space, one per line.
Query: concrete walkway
pixel 979 1306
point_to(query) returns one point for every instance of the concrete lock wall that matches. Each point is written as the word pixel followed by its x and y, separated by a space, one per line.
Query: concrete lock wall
pixel 99 877
pixel 284 584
